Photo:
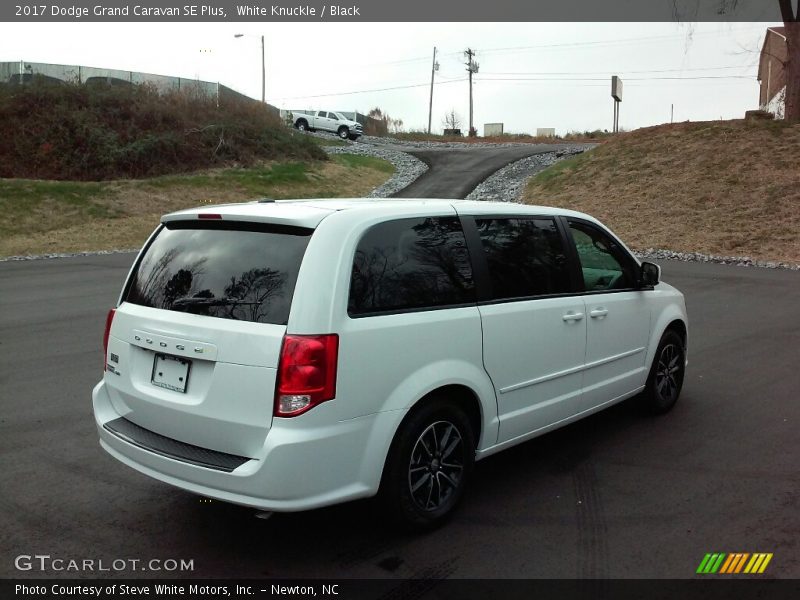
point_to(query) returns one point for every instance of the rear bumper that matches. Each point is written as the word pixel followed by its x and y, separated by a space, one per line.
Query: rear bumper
pixel 303 464
pixel 159 444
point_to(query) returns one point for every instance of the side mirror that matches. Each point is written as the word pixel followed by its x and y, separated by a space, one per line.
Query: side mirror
pixel 649 275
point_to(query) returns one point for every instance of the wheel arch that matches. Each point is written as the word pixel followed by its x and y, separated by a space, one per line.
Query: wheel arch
pixel 679 327
pixel 653 399
pixel 462 395
pixel 672 318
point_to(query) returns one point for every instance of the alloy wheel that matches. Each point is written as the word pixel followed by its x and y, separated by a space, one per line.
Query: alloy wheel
pixel 436 466
pixel 668 372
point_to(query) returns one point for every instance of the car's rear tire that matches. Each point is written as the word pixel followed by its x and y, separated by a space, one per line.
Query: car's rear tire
pixel 302 125
pixel 665 381
pixel 344 132
pixel 429 464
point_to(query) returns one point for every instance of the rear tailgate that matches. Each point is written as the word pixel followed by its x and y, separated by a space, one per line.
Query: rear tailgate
pixel 194 345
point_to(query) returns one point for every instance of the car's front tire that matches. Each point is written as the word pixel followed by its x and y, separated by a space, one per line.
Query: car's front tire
pixel 665 381
pixel 429 464
pixel 343 132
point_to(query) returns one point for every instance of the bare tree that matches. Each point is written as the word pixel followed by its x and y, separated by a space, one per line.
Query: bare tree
pixel 451 120
pixel 381 123
pixel 780 108
pixel 376 124
pixel 791 20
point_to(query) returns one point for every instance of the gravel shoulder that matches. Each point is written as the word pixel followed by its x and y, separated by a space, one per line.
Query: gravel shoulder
pixel 407 167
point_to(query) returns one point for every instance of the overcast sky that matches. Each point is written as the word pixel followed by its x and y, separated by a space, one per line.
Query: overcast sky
pixel 308 64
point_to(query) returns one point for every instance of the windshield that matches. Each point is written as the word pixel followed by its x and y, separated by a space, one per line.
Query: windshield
pixel 240 271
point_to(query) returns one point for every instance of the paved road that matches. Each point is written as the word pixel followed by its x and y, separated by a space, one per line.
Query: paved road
pixel 616 495
pixel 455 173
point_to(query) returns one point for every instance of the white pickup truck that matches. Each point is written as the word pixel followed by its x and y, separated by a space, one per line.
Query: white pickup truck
pixel 328 121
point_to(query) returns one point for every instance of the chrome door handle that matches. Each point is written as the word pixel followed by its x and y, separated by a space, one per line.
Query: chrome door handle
pixel 598 312
pixel 572 316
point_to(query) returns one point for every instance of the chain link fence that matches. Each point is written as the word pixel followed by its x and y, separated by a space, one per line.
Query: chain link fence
pixel 23 71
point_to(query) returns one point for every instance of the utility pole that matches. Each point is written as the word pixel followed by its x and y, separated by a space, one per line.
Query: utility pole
pixel 263 74
pixel 434 68
pixel 263 67
pixel 472 67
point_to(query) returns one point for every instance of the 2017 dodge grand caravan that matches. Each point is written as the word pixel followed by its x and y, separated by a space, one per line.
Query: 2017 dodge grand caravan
pixel 290 355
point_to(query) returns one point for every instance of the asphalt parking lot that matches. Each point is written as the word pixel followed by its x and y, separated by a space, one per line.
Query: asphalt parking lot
pixel 616 495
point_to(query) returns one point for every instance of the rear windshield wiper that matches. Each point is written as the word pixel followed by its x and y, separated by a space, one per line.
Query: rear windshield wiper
pixel 223 301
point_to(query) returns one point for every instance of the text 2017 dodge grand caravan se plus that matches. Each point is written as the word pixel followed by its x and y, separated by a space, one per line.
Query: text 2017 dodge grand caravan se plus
pixel 291 355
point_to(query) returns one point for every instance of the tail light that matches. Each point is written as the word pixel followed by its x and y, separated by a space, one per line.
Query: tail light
pixel 306 373
pixel 109 320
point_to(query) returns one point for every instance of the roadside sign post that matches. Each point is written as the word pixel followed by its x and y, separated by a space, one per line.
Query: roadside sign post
pixel 616 94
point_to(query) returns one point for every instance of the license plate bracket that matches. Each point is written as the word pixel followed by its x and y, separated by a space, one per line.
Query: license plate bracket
pixel 171 372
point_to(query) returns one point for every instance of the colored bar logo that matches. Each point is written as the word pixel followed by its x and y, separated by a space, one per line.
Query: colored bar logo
pixel 734 563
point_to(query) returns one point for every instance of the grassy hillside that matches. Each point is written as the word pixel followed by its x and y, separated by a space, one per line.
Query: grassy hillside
pixel 726 187
pixel 40 217
pixel 99 132
pixel 93 167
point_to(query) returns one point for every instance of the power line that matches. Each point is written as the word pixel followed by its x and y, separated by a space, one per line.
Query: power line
pixel 392 62
pixel 350 93
pixel 458 54
pixel 517 79
pixel 617 71
pixel 606 78
pixel 606 42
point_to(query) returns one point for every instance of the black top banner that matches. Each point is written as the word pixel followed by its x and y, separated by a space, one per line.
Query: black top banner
pixel 394 11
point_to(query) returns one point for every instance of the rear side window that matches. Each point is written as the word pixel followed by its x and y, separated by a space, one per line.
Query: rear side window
pixel 525 257
pixel 239 271
pixel 411 264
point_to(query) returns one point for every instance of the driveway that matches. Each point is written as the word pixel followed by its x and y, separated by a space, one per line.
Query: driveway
pixel 454 173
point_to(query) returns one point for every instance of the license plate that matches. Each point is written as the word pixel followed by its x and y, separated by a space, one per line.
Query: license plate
pixel 171 372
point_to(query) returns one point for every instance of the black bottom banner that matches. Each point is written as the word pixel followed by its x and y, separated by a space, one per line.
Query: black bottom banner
pixel 410 589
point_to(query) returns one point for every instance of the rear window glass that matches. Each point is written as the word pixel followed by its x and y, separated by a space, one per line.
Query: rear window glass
pixel 239 271
pixel 411 264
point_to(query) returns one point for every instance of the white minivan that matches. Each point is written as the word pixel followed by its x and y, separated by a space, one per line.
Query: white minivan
pixel 295 354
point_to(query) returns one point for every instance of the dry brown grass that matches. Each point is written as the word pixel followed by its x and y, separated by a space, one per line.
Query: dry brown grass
pixel 75 132
pixel 121 214
pixel 729 188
